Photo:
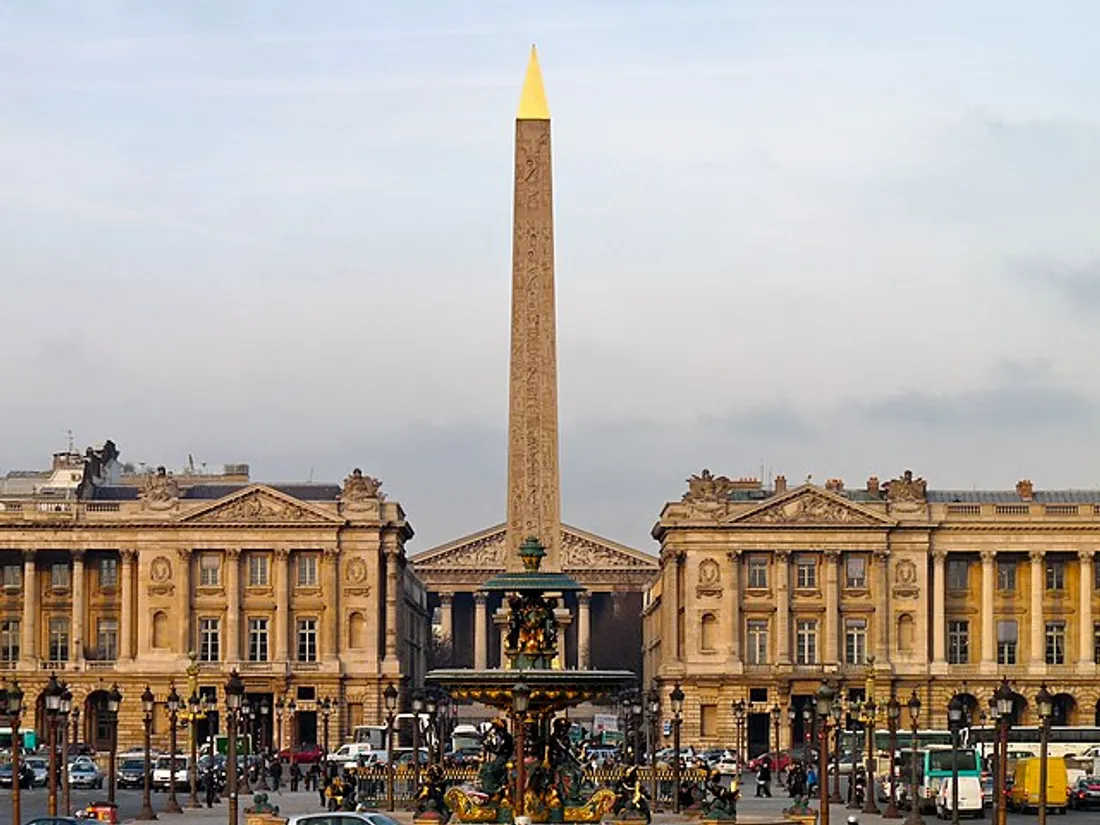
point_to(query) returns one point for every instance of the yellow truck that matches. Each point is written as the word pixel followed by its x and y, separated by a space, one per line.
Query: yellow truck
pixel 1024 795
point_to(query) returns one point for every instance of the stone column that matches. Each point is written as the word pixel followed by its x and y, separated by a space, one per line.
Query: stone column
pixel 584 631
pixel 233 604
pixel 281 585
pixel 734 596
pixel 782 607
pixel 502 639
pixel 882 608
pixel 1084 611
pixel 389 547
pixel 29 648
pixel 1037 658
pixel 939 610
pixel 989 629
pixel 832 606
pixel 481 642
pixel 79 607
pixel 447 617
pixel 126 631
pixel 183 599
pixel 330 644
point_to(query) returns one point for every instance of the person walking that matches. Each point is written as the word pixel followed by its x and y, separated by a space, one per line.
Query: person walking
pixel 764 779
pixel 277 775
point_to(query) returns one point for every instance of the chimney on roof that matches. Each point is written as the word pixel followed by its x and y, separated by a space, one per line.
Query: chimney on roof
pixel 780 484
pixel 872 485
pixel 1025 489
pixel 835 485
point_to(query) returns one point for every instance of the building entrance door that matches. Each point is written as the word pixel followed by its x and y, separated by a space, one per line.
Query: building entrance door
pixel 759 724
pixel 307 728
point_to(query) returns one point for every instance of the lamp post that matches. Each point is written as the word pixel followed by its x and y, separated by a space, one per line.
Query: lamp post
pixel 172 806
pixel 870 806
pixel 636 710
pixel 914 785
pixel 824 702
pixel 109 708
pixel 326 710
pixel 52 702
pixel 838 736
pixel 776 713
pixel 856 719
pixel 738 720
pixel 234 693
pixel 76 727
pixel 677 698
pixel 291 717
pixel 521 699
pixel 807 726
pixel 1005 702
pixel 1044 703
pixel 11 704
pixel 193 767
pixel 955 710
pixel 654 703
pixel 244 723
pixel 148 703
pixel 893 714
pixel 390 697
pixel 417 708
pixel 63 712
pixel 279 706
pixel 431 705
pixel 265 744
pixel 792 717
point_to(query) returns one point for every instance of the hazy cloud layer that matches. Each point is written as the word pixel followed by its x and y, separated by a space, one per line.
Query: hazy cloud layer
pixel 827 238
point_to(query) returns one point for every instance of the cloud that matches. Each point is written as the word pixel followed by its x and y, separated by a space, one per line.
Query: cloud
pixel 1076 286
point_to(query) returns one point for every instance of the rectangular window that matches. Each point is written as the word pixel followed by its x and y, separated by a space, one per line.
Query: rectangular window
pixel 758 572
pixel 1006 575
pixel 307 640
pixel 708 720
pixel 1007 638
pixel 1096 643
pixel 958 642
pixel 59 576
pixel 1056 574
pixel 855 641
pixel 958 574
pixel 1056 643
pixel 13 576
pixel 257 640
pixel 757 632
pixel 59 639
pixel 108 574
pixel 855 571
pixel 106 639
pixel 806 641
pixel 257 570
pixel 209 569
pixel 307 570
pixel 806 573
pixel 9 640
pixel 210 640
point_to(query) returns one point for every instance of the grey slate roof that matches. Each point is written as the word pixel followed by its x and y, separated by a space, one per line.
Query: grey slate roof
pixel 209 492
pixel 1012 497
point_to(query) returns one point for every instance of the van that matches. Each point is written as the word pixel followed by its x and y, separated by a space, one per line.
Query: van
pixel 970 798
pixel 350 752
pixel 1025 785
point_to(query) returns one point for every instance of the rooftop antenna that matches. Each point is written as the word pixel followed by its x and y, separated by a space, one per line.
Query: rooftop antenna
pixel 72 443
pixel 311 474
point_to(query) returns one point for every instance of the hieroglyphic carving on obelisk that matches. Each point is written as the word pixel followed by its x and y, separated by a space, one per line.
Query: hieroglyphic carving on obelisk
pixel 534 489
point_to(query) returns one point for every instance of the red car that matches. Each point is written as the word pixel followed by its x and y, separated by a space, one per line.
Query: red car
pixel 305 755
pixel 779 761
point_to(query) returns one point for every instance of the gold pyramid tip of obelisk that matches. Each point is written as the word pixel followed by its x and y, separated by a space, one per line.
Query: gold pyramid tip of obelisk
pixel 532 101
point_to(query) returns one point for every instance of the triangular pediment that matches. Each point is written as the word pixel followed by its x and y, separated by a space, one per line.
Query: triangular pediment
pixel 580 551
pixel 259 504
pixel 810 506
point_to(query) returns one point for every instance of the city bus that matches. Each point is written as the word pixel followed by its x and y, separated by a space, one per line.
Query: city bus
pixel 1061 741
pixel 29 736
pixel 904 739
pixel 934 766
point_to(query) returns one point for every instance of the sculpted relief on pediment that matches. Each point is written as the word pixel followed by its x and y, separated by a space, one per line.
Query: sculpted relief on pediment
pixel 258 506
pixel 580 553
pixel 812 508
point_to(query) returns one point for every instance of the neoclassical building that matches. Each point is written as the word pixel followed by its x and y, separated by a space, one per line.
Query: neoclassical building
pixel 763 592
pixel 118 576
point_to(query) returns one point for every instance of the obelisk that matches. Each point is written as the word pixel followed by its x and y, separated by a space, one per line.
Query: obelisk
pixel 534 487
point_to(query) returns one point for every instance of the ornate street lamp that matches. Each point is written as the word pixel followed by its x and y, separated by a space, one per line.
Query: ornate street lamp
pixel 893 714
pixel 431 705
pixel 326 710
pixel 417 709
pixel 1044 703
pixel 148 703
pixel 653 699
pixel 636 726
pixel 677 699
pixel 824 706
pixel 856 718
pixel 279 707
pixel 776 713
pixel 838 737
pixel 172 806
pixel 244 723
pixel 521 699
pixel 389 695
pixel 739 726
pixel 914 784
pixel 264 745
pixel 110 706
pixel 234 692
pixel 792 717
pixel 292 718
pixel 11 705
pixel 64 710
pixel 193 710
pixel 808 726
pixel 52 701
pixel 870 709
pixel 1005 702
pixel 955 711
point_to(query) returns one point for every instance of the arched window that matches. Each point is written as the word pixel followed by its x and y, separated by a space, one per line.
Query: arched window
pixel 357 631
pixel 708 632
pixel 906 633
pixel 160 629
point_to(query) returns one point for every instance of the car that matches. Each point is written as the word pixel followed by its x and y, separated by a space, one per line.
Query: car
pixel 779 761
pixel 162 773
pixel 41 768
pixel 303 755
pixel 83 773
pixel 364 817
pixel 56 820
pixel 26 775
pixel 131 773
pixel 1085 793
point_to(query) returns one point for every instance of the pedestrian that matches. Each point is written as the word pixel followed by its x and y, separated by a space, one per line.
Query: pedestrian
pixel 322 787
pixel 295 776
pixel 764 778
pixel 277 776
pixel 210 789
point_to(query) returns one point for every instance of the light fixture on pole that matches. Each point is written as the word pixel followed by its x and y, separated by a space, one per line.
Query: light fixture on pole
pixel 234 694
pixel 389 695
pixel 914 783
pixel 110 706
pixel 838 736
pixel 148 705
pixel 824 706
pixel 955 710
pixel 172 806
pixel 431 706
pixel 893 715
pixel 11 705
pixel 653 699
pixel 193 710
pixel 521 699
pixel 64 710
pixel 1044 703
pixel 52 701
pixel 1005 701
pixel 677 699
pixel 870 709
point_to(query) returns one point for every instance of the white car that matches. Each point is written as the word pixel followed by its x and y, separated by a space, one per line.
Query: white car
pixel 970 798
pixel 350 753
pixel 162 771
pixel 343 818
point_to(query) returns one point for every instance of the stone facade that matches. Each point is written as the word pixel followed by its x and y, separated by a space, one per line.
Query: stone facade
pixel 763 592
pixel 303 588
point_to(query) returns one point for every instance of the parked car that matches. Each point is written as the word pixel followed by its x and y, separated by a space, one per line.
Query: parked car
pixel 363 818
pixel 41 768
pixel 162 773
pixel 780 761
pixel 349 752
pixel 26 775
pixel 304 755
pixel 1085 793
pixel 83 773
pixel 131 773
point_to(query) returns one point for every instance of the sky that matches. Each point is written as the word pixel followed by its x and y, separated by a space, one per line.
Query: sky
pixel 825 239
